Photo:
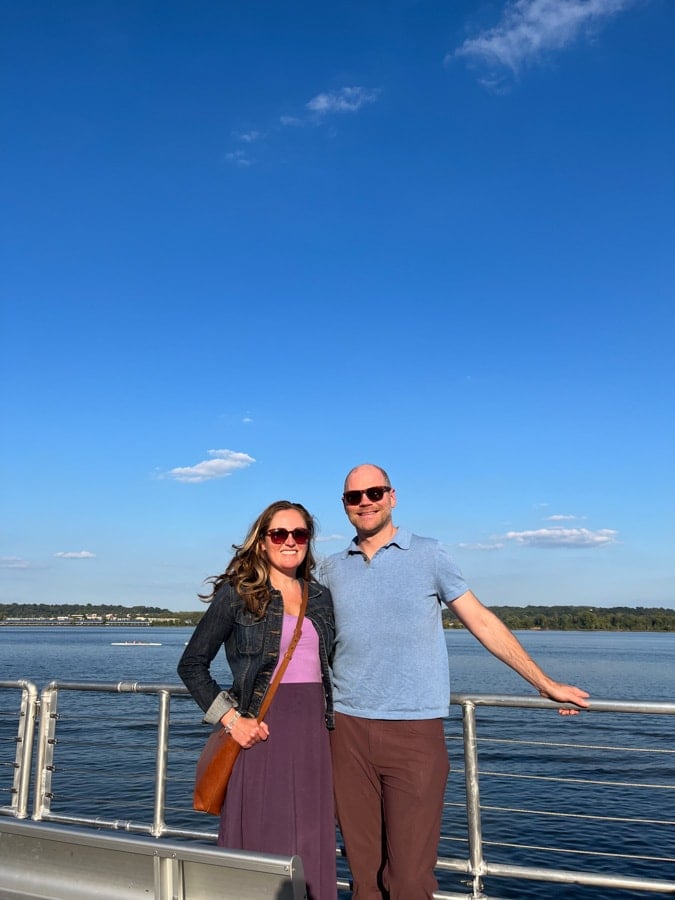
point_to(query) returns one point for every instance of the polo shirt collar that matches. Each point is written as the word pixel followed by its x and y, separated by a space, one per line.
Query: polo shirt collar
pixel 401 539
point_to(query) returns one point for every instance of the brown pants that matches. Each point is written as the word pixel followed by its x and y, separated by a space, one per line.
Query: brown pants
pixel 389 779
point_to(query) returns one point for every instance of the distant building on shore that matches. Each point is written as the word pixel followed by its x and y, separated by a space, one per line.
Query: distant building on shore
pixel 90 619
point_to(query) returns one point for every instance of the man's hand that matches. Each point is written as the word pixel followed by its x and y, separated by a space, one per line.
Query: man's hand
pixel 566 693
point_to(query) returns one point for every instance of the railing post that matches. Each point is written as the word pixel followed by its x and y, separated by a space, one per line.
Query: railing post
pixel 475 835
pixel 21 780
pixel 45 758
pixel 158 824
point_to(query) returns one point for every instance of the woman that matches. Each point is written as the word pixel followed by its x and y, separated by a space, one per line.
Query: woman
pixel 280 795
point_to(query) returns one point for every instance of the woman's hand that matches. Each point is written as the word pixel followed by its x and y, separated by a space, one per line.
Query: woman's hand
pixel 245 731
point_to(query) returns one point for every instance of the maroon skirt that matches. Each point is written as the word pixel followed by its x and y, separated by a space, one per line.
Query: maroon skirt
pixel 280 795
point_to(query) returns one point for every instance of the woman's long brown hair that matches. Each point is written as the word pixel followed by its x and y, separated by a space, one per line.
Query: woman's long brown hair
pixel 248 570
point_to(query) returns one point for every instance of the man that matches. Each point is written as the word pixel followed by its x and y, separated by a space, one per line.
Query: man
pixel 391 689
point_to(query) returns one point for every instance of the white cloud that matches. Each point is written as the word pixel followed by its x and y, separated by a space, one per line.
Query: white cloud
pixel 248 137
pixel 563 537
pixel 13 562
pixel 221 464
pixel 239 158
pixel 482 547
pixel 531 28
pixel 322 539
pixel 75 554
pixel 560 518
pixel 347 99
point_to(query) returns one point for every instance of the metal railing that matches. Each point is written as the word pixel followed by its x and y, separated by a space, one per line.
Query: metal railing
pixel 577 775
pixel 107 762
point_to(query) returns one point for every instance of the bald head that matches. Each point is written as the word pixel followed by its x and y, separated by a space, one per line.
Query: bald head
pixel 377 472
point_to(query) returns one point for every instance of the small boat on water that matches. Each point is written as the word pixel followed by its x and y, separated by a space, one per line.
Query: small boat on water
pixel 135 644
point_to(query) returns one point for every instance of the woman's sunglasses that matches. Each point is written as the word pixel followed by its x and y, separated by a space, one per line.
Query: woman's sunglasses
pixel 374 494
pixel 280 535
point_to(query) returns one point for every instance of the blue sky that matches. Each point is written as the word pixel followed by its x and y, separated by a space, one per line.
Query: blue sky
pixel 249 245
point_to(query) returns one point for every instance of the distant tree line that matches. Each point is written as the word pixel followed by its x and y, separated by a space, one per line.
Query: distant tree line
pixel 545 618
pixel 49 610
pixel 155 614
pixel 579 618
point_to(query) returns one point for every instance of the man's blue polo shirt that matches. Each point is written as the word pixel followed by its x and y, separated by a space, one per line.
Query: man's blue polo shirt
pixel 391 660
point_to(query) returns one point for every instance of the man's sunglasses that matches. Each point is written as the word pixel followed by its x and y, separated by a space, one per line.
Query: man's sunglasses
pixel 374 494
pixel 280 535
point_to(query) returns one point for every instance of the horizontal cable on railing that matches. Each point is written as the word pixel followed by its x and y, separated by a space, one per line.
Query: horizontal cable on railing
pixel 578 852
pixel 558 744
pixel 563 815
pixel 580 781
pixel 628 820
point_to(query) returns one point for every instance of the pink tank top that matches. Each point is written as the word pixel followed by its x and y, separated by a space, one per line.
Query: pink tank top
pixel 305 665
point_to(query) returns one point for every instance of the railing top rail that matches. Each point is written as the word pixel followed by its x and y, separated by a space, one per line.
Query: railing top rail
pixel 456 699
pixel 118 687
pixel 22 684
pixel 507 700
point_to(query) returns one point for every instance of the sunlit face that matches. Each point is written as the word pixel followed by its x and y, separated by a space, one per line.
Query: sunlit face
pixel 286 557
pixel 369 517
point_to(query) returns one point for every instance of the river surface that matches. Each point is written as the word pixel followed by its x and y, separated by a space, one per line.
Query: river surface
pixel 610 665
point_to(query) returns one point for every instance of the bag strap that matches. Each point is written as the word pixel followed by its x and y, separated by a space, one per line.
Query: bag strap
pixel 274 684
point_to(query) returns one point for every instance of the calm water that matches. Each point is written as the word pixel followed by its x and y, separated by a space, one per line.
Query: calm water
pixel 611 666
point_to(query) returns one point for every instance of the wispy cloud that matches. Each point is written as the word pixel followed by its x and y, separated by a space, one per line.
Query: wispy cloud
pixel 239 158
pixel 75 554
pixel 248 137
pixel 560 517
pixel 563 537
pixel 530 29
pixel 324 538
pixel 316 112
pixel 346 100
pixel 14 562
pixel 221 464
pixel 481 547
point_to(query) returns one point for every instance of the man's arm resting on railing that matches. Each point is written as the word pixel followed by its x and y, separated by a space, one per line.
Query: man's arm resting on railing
pixel 486 627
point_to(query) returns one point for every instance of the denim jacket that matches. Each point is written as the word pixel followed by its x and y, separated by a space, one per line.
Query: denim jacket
pixel 252 650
